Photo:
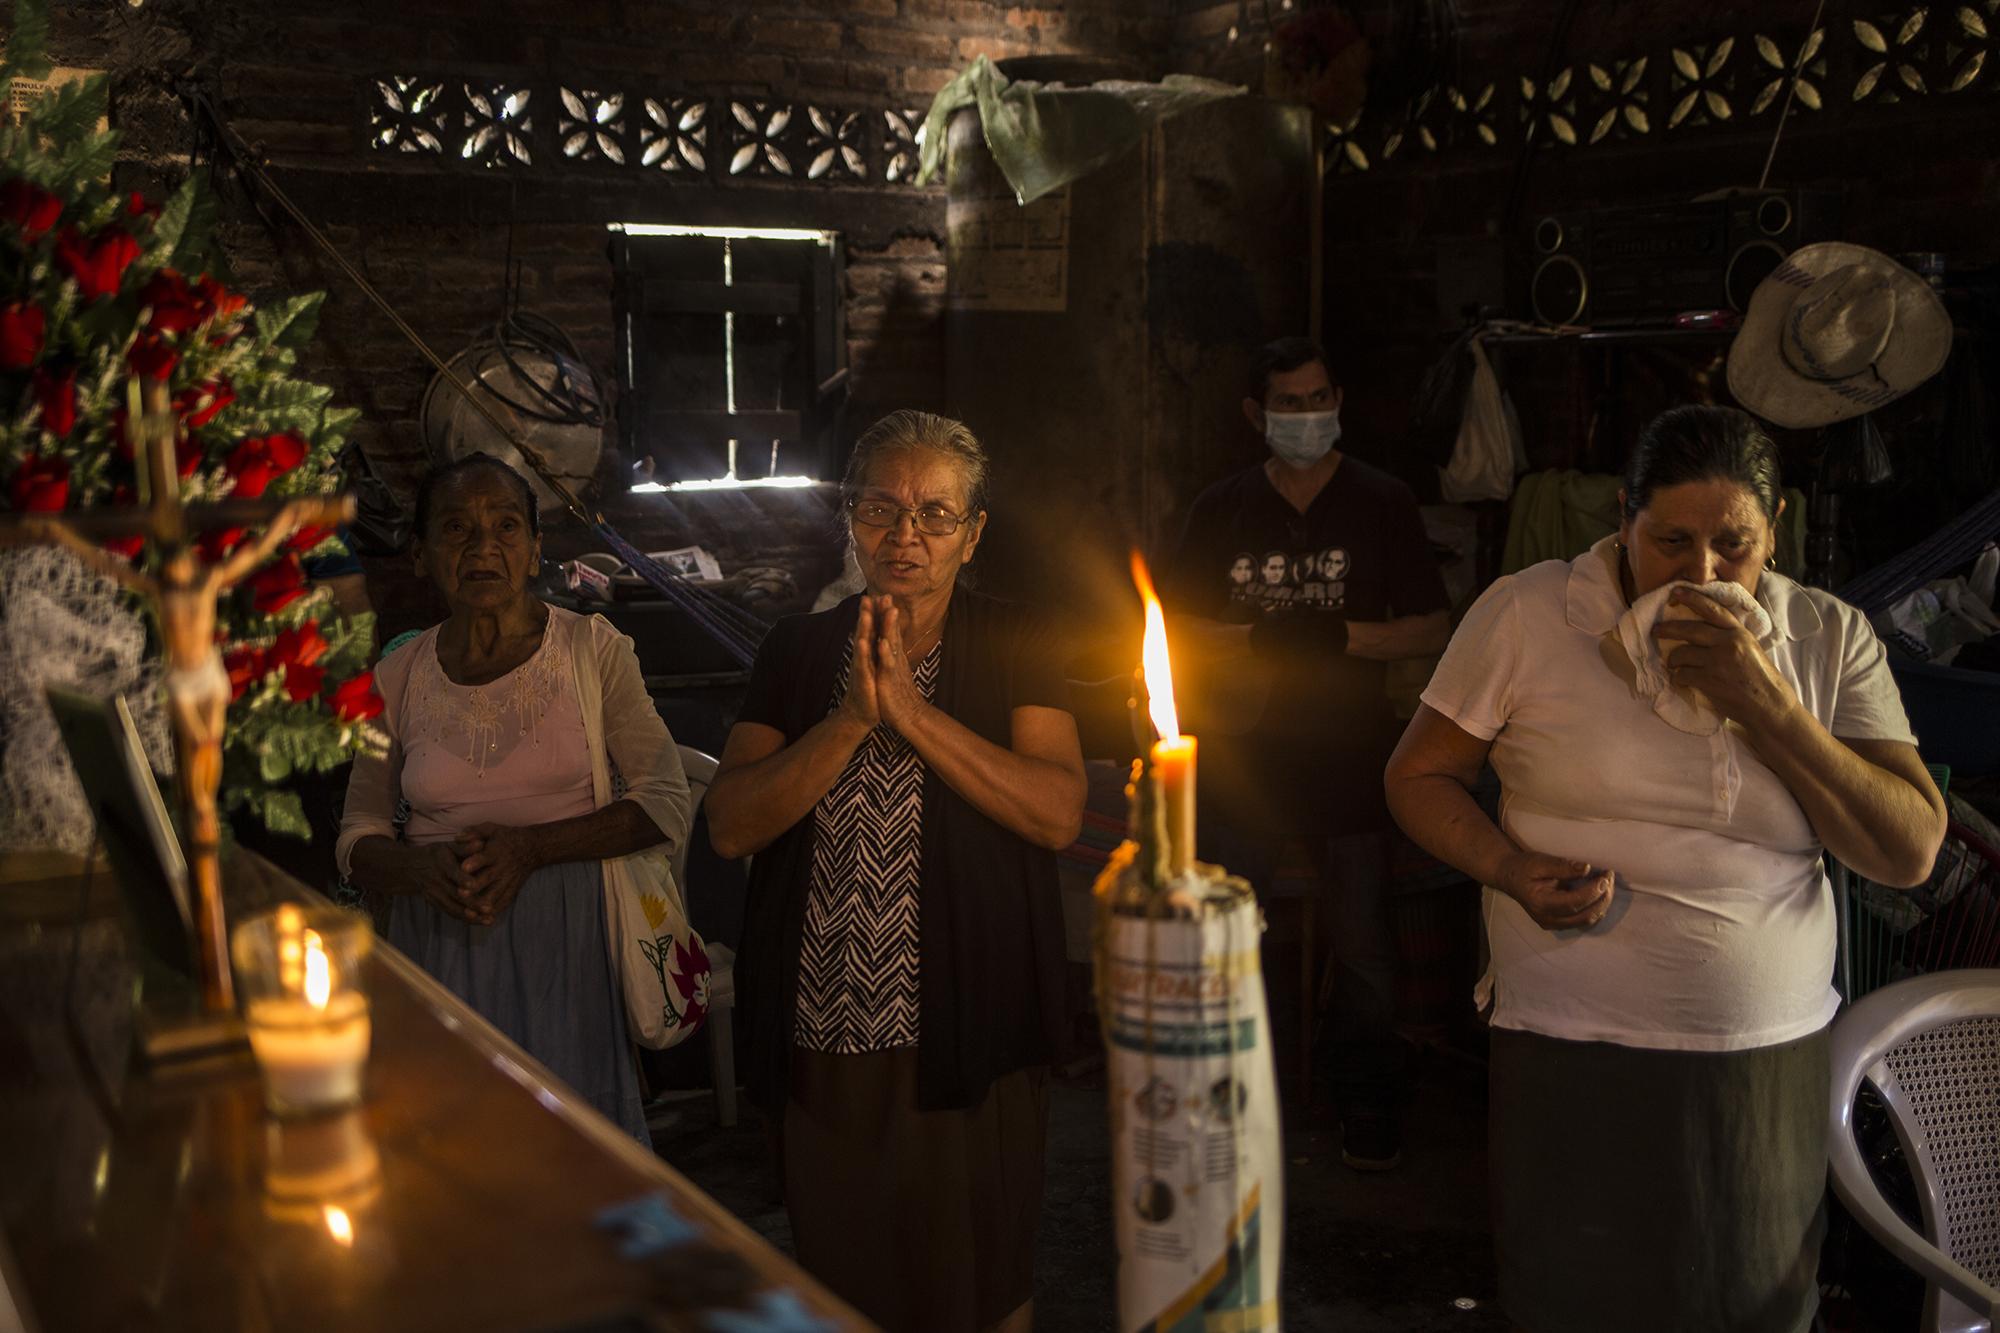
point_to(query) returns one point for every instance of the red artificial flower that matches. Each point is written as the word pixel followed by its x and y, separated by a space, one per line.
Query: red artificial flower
pixel 29 207
pixel 198 406
pixel 137 207
pixel 245 667
pixel 303 682
pixel 225 303
pixel 306 538
pixel 40 484
pixel 152 357
pixel 277 585
pixel 97 265
pixel 355 699
pixel 176 307
pixel 55 390
pixel 21 328
pixel 216 544
pixel 301 645
pixel 129 547
pixel 259 461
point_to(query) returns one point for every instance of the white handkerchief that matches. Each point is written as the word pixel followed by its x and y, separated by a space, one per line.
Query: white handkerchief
pixel 1684 709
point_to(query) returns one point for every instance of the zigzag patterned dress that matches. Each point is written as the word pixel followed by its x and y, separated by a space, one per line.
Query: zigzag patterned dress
pixel 858 971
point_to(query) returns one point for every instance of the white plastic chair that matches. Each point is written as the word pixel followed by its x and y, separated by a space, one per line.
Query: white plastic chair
pixel 1931 1047
pixel 700 769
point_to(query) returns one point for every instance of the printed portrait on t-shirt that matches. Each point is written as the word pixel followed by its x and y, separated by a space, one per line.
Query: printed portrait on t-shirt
pixel 1278 579
pixel 1322 580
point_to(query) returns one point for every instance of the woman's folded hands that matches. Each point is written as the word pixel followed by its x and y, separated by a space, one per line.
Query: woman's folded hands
pixel 495 860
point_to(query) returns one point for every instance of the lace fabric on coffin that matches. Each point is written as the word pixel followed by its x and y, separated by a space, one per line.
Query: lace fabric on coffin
pixel 485 723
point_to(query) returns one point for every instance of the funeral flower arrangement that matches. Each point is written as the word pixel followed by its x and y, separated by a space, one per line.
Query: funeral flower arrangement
pixel 98 287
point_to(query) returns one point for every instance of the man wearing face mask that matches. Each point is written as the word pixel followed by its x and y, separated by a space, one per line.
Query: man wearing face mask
pixel 1359 589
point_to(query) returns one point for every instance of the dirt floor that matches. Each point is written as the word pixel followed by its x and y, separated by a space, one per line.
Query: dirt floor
pixel 1403 1251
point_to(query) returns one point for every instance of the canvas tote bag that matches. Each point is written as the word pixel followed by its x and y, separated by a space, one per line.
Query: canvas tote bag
pixel 661 964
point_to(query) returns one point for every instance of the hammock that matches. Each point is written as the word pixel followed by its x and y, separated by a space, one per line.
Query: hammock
pixel 1952 545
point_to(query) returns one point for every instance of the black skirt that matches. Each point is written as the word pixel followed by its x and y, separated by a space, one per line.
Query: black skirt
pixel 1658 1191
pixel 924 1221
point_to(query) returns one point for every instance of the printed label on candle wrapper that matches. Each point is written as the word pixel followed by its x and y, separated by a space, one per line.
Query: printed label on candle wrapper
pixel 1197 1176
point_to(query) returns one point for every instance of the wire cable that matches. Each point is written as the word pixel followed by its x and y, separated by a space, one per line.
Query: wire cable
pixel 1791 87
pixel 731 626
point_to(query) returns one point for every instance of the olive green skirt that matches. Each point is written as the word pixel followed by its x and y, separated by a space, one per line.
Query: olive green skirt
pixel 1657 1191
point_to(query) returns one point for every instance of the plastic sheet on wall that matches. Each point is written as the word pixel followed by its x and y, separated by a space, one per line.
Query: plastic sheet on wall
pixel 1043 138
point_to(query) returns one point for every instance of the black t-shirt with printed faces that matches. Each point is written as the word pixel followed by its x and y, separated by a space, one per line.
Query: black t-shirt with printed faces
pixel 1359 549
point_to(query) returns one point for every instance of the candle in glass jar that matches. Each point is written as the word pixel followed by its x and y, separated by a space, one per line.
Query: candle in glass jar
pixel 303 1005
pixel 312 1057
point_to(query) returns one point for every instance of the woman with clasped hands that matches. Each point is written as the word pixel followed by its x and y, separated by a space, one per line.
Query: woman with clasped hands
pixel 1672 763
pixel 495 883
pixel 904 768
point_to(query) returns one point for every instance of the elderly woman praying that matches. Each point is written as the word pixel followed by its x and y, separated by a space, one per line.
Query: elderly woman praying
pixel 495 882
pixel 904 768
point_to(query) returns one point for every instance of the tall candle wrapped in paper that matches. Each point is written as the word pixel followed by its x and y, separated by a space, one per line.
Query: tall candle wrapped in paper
pixel 1197 1184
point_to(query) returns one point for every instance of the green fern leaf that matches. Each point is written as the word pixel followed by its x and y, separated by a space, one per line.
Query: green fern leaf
pixel 28 44
pixel 284 813
pixel 171 224
pixel 290 325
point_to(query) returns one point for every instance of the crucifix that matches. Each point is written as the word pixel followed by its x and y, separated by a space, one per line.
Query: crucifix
pixel 184 595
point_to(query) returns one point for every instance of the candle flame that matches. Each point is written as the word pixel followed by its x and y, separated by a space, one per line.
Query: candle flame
pixel 338 1224
pixel 1159 670
pixel 319 979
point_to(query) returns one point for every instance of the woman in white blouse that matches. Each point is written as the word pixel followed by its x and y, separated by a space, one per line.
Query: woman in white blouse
pixel 1672 763
pixel 494 881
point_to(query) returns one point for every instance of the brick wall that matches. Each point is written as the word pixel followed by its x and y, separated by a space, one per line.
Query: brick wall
pixel 435 234
pixel 1422 225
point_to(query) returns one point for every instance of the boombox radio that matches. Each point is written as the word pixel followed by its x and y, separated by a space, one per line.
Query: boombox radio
pixel 1645 263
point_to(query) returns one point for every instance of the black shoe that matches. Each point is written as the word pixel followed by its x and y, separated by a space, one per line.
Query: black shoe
pixel 1371 1140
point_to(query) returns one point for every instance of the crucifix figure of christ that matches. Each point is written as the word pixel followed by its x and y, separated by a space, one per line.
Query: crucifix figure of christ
pixel 184 595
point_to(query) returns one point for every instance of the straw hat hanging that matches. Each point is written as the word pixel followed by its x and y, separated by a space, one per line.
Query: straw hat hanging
pixel 1836 331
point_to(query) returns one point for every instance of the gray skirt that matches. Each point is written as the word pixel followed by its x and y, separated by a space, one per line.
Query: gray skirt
pixel 542 975
pixel 1658 1191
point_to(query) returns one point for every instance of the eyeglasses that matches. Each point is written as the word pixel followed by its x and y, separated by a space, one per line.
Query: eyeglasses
pixel 935 520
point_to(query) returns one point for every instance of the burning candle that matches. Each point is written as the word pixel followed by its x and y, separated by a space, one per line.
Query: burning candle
pixel 299 973
pixel 1173 753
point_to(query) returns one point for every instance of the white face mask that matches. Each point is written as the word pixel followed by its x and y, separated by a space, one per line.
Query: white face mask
pixel 1301 438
